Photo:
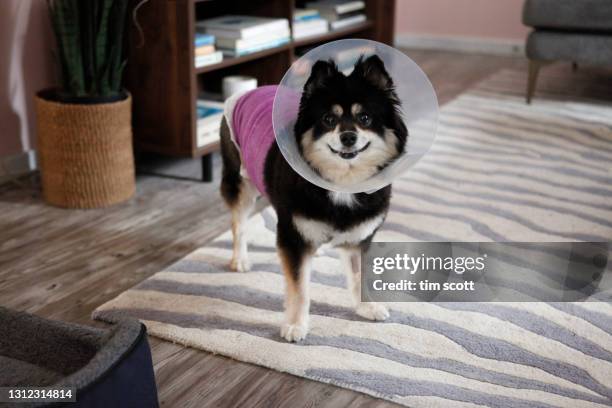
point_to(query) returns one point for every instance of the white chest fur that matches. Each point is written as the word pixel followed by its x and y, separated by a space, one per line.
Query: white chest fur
pixel 318 232
pixel 346 199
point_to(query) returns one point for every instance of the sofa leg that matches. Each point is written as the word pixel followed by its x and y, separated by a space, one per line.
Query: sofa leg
pixel 534 69
pixel 574 66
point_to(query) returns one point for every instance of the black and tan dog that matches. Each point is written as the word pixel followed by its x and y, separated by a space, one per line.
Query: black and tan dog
pixel 348 128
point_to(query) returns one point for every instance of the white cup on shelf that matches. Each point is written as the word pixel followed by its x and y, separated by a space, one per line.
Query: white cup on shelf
pixel 237 83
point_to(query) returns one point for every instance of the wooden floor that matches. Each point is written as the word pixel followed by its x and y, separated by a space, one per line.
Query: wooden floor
pixel 62 264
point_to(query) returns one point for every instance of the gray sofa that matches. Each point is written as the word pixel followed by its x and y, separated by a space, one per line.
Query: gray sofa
pixel 577 31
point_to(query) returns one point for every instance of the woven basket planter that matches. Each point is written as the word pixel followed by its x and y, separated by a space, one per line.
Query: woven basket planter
pixel 85 152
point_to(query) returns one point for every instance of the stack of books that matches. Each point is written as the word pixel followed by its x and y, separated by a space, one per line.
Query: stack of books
pixel 205 52
pixel 308 23
pixel 340 13
pixel 241 35
pixel 209 115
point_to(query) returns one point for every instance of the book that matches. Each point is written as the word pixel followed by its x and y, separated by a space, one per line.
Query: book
pixel 204 138
pixel 208 110
pixel 254 41
pixel 257 48
pixel 305 14
pixel 331 16
pixel 309 28
pixel 204 39
pixel 208 59
pixel 209 114
pixel 337 6
pixel 204 50
pixel 345 22
pixel 345 59
pixel 237 26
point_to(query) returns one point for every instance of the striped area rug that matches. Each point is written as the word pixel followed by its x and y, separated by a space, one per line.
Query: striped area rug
pixel 499 170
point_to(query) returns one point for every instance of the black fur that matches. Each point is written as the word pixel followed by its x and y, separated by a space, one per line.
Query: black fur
pixel 289 193
pixel 230 178
pixel 369 85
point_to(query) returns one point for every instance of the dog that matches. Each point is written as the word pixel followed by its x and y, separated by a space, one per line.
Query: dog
pixel 349 128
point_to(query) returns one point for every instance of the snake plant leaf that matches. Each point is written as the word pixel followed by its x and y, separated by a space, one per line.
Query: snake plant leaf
pixel 116 28
pixel 71 37
pixel 102 39
pixel 59 54
pixel 89 36
pixel 117 76
pixel 107 73
pixel 86 16
pixel 68 35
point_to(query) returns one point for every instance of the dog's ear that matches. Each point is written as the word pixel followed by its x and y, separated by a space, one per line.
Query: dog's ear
pixel 320 72
pixel 373 70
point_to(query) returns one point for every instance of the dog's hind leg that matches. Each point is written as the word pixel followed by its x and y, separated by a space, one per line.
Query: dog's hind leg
pixel 351 261
pixel 240 215
pixel 240 195
pixel 296 259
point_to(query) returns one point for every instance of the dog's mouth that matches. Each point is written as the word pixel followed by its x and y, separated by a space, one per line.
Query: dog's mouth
pixel 347 155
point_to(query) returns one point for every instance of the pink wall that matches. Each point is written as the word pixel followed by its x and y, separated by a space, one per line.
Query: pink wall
pixel 466 18
pixel 26 67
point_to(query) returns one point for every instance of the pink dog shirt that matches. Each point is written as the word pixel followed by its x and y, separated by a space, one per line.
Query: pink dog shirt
pixel 250 118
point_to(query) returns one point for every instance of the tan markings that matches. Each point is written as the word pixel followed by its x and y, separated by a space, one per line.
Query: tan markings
pixel 337 110
pixel 307 141
pixel 240 213
pixel 288 272
pixel 297 297
pixel 356 108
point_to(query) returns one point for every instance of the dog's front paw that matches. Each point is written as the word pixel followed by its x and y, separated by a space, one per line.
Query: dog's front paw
pixel 372 311
pixel 294 332
pixel 240 265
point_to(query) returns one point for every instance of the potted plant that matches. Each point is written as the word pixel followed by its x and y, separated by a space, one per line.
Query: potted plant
pixel 84 125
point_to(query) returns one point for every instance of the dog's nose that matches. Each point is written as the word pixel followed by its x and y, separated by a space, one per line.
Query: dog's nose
pixel 348 139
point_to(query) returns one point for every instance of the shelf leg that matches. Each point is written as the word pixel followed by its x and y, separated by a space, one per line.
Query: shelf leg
pixel 207 168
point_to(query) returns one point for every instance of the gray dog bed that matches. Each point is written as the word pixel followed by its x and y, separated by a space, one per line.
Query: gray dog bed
pixel 106 367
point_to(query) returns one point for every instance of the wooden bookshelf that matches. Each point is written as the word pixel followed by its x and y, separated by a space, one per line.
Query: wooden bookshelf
pixel 229 61
pixel 165 83
pixel 334 35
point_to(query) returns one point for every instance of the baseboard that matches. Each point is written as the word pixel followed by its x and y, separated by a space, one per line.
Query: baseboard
pixel 17 165
pixel 462 44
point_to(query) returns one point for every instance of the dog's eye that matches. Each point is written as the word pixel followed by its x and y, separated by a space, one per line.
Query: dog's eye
pixel 330 120
pixel 364 119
